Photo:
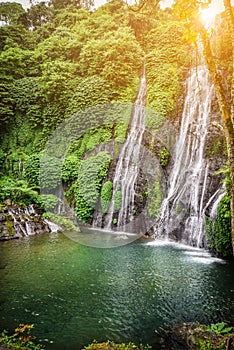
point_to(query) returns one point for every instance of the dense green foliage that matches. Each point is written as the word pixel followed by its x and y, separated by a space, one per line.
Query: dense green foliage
pixel 86 189
pixel 167 57
pixel 62 61
pixel 17 191
pixel 214 336
pixel 57 60
pixel 64 223
pixel 219 232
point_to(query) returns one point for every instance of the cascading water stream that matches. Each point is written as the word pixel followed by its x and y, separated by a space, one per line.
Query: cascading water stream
pixel 184 206
pixel 127 168
pixel 24 222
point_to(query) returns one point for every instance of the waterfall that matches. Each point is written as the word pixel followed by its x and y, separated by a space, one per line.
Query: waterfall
pixel 183 209
pixel 52 226
pixel 127 168
pixel 214 209
pixel 17 222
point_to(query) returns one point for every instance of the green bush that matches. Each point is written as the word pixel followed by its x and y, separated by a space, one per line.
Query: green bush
pixel 65 223
pixel 48 201
pixel 71 168
pixel 106 194
pixel 167 55
pixel 123 54
pixel 120 132
pixel 32 168
pixel 219 232
pixel 164 157
pixel 155 197
pixel 86 189
pixel 50 172
pixel 89 92
pixel 17 191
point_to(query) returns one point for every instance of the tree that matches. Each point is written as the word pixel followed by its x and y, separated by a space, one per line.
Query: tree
pixel 39 14
pixel 10 13
pixel 115 52
pixel 189 10
pixel 62 4
pixel 6 102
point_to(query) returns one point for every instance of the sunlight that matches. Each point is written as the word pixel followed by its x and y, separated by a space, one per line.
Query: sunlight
pixel 208 16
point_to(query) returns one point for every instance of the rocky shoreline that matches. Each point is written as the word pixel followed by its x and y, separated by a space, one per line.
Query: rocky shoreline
pixel 182 336
pixel 17 222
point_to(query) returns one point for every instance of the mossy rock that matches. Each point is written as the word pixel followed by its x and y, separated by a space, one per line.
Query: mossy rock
pixel 113 346
pixel 196 336
pixel 6 347
pixel 10 228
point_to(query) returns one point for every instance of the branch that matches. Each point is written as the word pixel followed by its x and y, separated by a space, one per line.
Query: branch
pixel 219 126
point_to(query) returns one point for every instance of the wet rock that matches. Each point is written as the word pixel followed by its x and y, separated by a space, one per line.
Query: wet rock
pixel 17 222
pixel 192 336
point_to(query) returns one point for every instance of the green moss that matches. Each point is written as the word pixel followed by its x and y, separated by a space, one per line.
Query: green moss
pixel 10 228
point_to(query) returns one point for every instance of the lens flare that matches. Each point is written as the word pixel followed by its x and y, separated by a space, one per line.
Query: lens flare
pixel 208 16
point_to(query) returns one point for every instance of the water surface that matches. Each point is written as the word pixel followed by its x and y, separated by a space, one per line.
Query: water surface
pixel 75 293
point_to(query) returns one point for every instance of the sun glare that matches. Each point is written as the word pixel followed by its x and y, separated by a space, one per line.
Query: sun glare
pixel 208 16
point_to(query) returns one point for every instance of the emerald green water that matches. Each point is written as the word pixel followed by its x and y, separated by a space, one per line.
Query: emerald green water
pixel 74 293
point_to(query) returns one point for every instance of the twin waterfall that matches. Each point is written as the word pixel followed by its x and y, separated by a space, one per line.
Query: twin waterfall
pixel 127 167
pixel 187 194
pixel 185 204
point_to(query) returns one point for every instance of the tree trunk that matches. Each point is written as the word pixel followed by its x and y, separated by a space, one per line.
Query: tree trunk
pixel 227 111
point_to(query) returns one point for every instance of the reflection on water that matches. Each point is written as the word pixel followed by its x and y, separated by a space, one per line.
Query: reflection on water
pixel 75 293
pixel 99 238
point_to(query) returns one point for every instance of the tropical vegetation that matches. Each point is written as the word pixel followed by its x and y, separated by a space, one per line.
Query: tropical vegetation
pixel 63 63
